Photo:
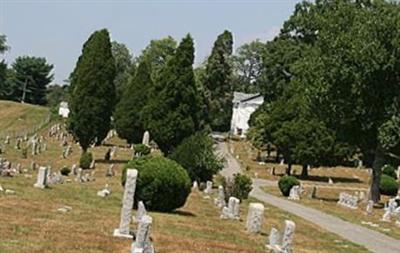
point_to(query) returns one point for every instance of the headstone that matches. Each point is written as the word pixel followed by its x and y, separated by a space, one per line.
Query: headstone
pixel 370 207
pixel 195 185
pixel 288 235
pixel 146 138
pixel 127 204
pixel 220 201
pixel 208 189
pixel 41 178
pixel 330 181
pixel 294 193
pixel 282 162
pixel 141 211
pixel 105 192
pixel 79 175
pixel 273 240
pixel 232 211
pixel 398 173
pixel 110 171
pixel 74 169
pixel 313 194
pixel 142 243
pixel 34 148
pixel 255 217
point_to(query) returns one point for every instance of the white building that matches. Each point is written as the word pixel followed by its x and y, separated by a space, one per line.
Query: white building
pixel 243 106
pixel 63 110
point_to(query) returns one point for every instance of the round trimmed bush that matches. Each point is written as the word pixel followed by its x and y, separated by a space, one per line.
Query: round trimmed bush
pixel 86 160
pixel 142 149
pixel 286 183
pixel 162 184
pixel 390 171
pixel 388 186
pixel 65 171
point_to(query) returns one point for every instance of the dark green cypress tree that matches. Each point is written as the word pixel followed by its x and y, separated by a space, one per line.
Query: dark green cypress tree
pixel 172 113
pixel 92 91
pixel 127 117
pixel 218 83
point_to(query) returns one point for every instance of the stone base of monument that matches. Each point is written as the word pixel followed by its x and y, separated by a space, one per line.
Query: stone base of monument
pixel 117 233
pixel 41 186
pixel 148 249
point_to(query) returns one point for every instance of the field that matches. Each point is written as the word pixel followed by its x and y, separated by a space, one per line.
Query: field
pixel 345 179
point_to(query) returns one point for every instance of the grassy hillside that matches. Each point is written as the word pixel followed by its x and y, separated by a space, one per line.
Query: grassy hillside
pixel 16 117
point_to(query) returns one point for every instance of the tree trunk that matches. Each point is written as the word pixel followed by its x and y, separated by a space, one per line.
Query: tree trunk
pixel 304 172
pixel 289 169
pixel 379 162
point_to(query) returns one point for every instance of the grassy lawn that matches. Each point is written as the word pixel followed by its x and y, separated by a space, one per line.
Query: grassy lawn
pixel 18 118
pixel 345 180
pixel 30 222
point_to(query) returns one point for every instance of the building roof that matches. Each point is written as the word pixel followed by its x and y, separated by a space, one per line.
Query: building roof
pixel 243 97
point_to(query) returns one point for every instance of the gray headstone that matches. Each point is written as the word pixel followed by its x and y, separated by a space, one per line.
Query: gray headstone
pixel 42 178
pixel 127 204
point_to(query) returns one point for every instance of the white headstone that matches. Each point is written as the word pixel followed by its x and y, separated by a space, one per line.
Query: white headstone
pixel 273 239
pixel 146 138
pixel 42 178
pixel 255 217
pixel 127 204
pixel 141 211
pixel 288 235
pixel 209 186
pixel 370 207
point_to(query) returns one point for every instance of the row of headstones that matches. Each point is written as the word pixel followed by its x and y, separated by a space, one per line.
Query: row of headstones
pixel 7 136
pixel 142 242
pixel 348 200
pixel 254 219
pixel 392 210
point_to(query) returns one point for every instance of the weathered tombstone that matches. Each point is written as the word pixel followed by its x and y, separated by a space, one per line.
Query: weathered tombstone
pixel 34 148
pixel 79 175
pixel 127 204
pixel 288 235
pixel 42 178
pixel 18 144
pixel 209 186
pixel 313 194
pixel 273 240
pixel 110 171
pixel 282 162
pixel 255 217
pixel 142 243
pixel 294 193
pixel 141 211
pixel 74 170
pixel 105 192
pixel 370 207
pixel 220 201
pixel 33 166
pixel 330 181
pixel 92 164
pixel 7 140
pixel 146 138
pixel 232 211
pixel 195 185
pixel 398 173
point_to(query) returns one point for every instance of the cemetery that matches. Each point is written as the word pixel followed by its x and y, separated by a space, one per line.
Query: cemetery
pixel 195 138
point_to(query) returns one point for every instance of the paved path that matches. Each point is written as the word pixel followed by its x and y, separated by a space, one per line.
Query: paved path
pixel 232 166
pixel 372 240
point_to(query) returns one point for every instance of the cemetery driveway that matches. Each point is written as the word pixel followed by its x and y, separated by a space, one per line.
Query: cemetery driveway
pixel 372 240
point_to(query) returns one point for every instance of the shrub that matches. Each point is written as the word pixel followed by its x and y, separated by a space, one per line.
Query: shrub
pixel 239 186
pixel 196 154
pixel 86 160
pixel 388 185
pixel 286 183
pixel 65 171
pixel 162 184
pixel 390 171
pixel 141 149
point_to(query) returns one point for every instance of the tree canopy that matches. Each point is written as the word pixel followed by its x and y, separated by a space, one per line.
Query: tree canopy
pixel 92 91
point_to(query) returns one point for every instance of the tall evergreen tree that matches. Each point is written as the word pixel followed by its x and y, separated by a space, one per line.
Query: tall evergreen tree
pixel 172 113
pixel 92 91
pixel 3 68
pixel 127 114
pixel 30 79
pixel 218 83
